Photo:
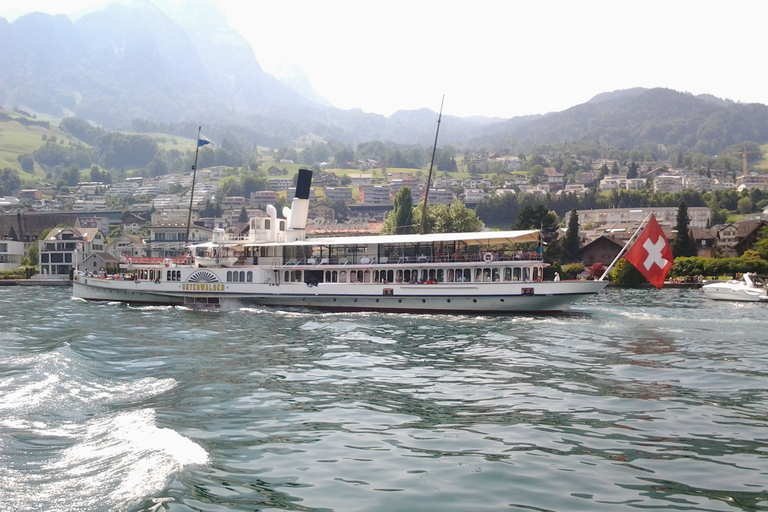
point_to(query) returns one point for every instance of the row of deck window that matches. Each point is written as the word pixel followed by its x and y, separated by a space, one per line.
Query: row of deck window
pixel 233 276
pixel 424 275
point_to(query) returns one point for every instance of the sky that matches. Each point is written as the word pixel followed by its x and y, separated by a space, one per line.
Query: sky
pixel 496 58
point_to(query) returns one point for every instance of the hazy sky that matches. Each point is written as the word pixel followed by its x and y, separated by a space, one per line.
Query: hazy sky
pixel 497 57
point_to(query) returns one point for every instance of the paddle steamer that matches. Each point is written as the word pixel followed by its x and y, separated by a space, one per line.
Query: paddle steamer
pixel 277 265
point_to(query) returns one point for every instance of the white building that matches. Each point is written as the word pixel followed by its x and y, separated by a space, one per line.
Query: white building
pixel 278 184
pixel 126 245
pixel 668 183
pixel 358 180
pixel 375 194
pixel 65 248
pixel 441 196
pixel 11 253
pixel 667 215
pixel 751 181
pixel 698 182
pixel 621 183
pixel 343 194
pixel 474 195
pixel 542 189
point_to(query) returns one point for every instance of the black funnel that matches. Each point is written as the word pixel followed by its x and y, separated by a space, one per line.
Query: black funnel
pixel 303 183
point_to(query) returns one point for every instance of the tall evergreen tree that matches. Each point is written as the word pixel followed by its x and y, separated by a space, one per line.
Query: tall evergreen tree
pixel 539 217
pixel 684 244
pixel 632 171
pixel 400 220
pixel 571 246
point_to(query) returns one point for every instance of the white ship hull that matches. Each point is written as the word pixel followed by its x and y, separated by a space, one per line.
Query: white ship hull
pixel 512 297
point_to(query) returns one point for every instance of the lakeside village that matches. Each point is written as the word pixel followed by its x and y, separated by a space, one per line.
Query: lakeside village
pixel 34 230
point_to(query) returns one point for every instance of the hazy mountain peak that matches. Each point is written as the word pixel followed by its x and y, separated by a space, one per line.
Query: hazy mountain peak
pixel 618 94
pixel 294 77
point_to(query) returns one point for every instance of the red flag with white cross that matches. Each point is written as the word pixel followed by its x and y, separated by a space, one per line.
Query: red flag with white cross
pixel 651 254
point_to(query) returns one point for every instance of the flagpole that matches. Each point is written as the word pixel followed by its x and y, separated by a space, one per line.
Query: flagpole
pixel 429 176
pixel 192 192
pixel 626 246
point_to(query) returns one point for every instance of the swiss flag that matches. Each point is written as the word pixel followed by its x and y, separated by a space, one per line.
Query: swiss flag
pixel 651 254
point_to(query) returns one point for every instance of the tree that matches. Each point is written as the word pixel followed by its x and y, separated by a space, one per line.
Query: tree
pixel 625 274
pixel 684 244
pixel 539 217
pixel 596 270
pixel 442 218
pixel 632 171
pixel 341 210
pixel 400 219
pixel 10 183
pixel 32 254
pixel 243 217
pixel 343 156
pixel 745 205
pixel 761 245
pixel 212 209
pixel 570 243
pixel 27 163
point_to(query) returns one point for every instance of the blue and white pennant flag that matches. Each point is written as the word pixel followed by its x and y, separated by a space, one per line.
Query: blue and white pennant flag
pixel 202 140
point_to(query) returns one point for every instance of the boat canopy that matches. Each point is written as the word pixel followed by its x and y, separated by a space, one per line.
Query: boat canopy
pixel 214 245
pixel 473 238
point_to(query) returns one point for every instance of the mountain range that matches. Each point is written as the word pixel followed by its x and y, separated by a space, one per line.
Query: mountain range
pixel 149 62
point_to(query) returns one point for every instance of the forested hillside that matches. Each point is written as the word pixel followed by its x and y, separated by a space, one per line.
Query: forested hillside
pixel 644 120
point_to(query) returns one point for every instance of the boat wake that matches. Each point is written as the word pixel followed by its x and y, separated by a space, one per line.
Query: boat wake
pixel 58 419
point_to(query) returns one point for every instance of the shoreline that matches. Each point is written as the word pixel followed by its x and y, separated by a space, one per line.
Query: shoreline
pixel 35 282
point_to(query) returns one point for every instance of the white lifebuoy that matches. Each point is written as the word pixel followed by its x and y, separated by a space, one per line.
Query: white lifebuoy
pixel 167 262
pixel 488 257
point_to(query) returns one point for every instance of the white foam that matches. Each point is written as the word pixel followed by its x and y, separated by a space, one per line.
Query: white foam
pixel 116 461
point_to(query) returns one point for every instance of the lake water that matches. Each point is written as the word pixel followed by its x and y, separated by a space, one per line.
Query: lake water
pixel 638 399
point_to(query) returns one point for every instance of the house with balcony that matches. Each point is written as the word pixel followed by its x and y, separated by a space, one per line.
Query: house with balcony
pixel 133 222
pixel 321 212
pixel 474 195
pixel 234 203
pixel 375 194
pixel 441 196
pixel 261 198
pixel 360 179
pixel 126 245
pixel 66 248
pixel 343 194
pixel 278 184
pixel 750 181
pixel 168 233
pixel 668 183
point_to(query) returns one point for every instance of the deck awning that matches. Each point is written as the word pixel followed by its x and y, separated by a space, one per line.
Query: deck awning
pixel 474 238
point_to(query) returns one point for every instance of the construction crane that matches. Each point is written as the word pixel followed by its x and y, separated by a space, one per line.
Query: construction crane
pixel 744 153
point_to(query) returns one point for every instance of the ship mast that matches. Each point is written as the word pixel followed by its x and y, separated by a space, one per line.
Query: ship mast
pixel 192 192
pixel 429 176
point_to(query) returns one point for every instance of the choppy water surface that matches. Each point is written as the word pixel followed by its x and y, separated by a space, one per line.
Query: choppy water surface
pixel 638 399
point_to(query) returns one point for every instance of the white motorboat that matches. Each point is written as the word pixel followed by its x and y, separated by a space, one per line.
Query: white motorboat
pixel 751 288
pixel 277 265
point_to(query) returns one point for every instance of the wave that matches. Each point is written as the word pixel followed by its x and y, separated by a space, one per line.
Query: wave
pixel 107 463
pixel 70 440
